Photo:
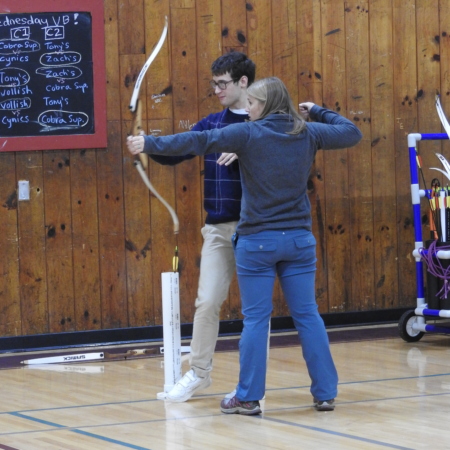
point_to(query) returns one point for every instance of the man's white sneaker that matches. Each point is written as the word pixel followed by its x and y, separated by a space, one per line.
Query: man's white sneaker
pixel 189 384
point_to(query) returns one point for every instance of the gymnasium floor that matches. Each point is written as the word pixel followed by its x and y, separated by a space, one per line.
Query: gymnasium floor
pixel 392 395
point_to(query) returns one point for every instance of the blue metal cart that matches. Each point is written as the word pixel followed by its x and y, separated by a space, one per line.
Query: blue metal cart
pixel 412 325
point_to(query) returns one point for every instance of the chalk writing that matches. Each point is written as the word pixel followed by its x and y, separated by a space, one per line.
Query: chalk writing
pixel 60 58
pixel 15 104
pixel 185 124
pixel 46 74
pixel 154 132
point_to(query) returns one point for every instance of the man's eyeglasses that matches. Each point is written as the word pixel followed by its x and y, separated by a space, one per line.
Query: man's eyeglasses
pixel 222 85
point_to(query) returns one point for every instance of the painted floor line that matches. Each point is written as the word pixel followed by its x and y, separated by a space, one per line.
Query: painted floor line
pixel 339 403
pixel 336 433
pixel 58 427
pixel 218 394
pixel 344 383
pixel 82 432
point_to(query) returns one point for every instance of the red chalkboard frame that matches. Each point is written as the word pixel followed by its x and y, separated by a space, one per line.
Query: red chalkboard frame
pixel 78 141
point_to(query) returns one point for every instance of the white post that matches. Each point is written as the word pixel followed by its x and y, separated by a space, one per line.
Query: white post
pixel 171 330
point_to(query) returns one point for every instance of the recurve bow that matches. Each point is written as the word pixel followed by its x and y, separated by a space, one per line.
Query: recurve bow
pixel 141 163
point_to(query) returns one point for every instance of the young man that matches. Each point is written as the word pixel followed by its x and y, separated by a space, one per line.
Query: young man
pixel 232 74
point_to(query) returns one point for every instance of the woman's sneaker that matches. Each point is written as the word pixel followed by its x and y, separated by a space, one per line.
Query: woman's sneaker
pixel 324 405
pixel 233 393
pixel 234 406
pixel 188 386
pixel 230 395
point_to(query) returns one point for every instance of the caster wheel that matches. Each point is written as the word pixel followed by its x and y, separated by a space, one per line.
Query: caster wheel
pixel 405 327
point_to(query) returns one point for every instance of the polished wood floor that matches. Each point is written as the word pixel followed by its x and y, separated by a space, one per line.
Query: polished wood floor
pixel 392 395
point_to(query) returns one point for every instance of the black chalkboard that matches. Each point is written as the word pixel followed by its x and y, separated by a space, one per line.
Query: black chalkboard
pixel 46 74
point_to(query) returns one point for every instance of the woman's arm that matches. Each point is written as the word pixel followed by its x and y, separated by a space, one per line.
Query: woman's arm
pixel 229 139
pixel 174 160
pixel 331 130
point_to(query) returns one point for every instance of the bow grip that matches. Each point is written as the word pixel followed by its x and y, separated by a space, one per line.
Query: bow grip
pixel 136 128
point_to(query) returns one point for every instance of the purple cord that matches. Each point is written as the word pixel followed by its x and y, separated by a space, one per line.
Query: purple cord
pixel 436 269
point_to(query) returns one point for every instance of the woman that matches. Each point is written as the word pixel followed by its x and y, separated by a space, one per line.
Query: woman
pixel 273 237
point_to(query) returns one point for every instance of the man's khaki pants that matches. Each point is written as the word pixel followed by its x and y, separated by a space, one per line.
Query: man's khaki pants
pixel 217 268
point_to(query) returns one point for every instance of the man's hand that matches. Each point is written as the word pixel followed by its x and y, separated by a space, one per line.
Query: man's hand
pixel 227 159
pixel 304 109
pixel 135 144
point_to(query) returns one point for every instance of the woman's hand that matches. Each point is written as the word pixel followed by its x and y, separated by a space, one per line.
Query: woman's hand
pixel 227 159
pixel 135 144
pixel 305 108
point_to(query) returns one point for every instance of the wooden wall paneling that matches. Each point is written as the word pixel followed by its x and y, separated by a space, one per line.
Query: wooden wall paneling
pixel 86 270
pixel 309 74
pixel 383 154
pixel 259 29
pixel 160 115
pixel 428 80
pixel 309 44
pixel 360 157
pixel 111 231
pixel 58 240
pixel 209 48
pixel 10 318
pixel 405 108
pixel 112 60
pixel 337 227
pixel 352 192
pixel 157 79
pixel 182 4
pixel 32 260
pixel 444 45
pixel 234 38
pixel 163 239
pixel 130 66
pixel 284 42
pixel 188 186
pixel 234 25
pixel 131 27
pixel 284 60
pixel 138 242
pixel 136 207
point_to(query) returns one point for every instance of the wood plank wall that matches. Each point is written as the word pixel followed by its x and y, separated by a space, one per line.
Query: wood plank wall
pixel 86 252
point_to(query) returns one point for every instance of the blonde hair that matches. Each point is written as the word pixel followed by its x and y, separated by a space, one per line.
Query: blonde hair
pixel 273 93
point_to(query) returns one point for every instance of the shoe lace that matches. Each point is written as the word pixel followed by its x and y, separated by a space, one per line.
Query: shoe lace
pixel 235 402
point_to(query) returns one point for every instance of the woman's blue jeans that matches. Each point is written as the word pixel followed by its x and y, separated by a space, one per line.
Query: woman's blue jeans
pixel 290 254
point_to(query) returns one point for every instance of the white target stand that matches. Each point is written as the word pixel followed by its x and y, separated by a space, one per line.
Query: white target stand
pixel 171 331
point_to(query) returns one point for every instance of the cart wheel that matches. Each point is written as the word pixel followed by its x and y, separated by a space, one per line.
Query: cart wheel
pixel 405 327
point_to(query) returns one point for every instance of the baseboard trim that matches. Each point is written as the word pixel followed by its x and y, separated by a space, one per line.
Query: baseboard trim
pixel 155 333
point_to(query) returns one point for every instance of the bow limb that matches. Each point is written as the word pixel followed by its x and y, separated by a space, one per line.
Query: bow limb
pixel 137 86
pixel 145 179
pixel 441 114
pixel 135 102
pixel 136 107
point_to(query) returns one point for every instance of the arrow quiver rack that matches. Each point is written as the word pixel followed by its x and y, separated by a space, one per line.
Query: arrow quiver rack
pixel 413 324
